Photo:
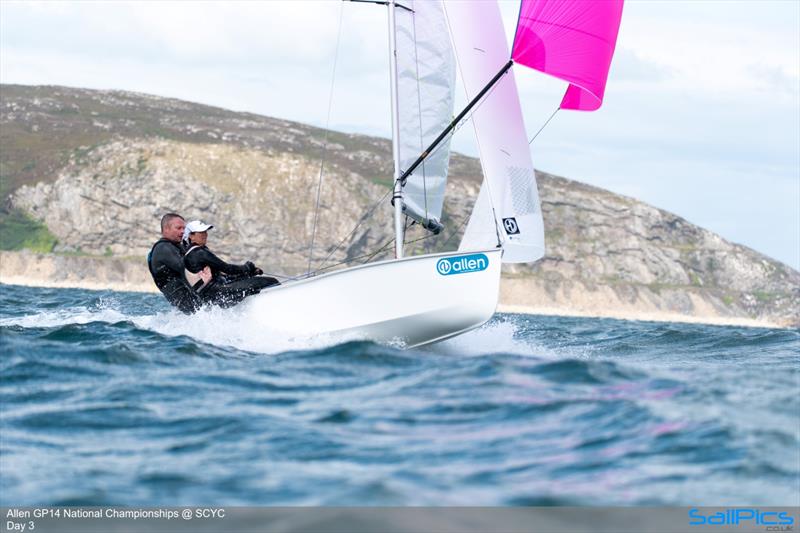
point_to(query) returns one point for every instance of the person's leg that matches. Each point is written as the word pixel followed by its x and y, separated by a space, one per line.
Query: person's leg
pixel 262 282
pixel 230 294
pixel 181 296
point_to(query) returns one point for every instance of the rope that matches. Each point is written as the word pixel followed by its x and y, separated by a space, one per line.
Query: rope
pixel 382 248
pixel 454 233
pixel 325 142
pixel 376 204
pixel 386 247
pixel 543 125
pixel 358 224
pixel 369 213
pixel 424 237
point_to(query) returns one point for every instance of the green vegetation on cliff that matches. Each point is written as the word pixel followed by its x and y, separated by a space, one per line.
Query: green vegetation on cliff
pixel 19 231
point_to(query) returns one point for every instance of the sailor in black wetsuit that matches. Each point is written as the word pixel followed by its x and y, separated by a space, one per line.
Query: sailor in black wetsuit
pixel 165 261
pixel 230 284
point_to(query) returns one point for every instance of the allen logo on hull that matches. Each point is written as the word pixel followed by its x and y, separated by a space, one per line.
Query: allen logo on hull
pixel 462 264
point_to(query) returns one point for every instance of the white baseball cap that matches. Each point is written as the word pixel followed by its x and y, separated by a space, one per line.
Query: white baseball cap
pixel 196 226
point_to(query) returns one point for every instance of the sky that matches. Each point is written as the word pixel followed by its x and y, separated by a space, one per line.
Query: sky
pixel 701 114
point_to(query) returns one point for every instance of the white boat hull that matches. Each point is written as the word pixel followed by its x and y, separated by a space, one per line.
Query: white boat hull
pixel 412 301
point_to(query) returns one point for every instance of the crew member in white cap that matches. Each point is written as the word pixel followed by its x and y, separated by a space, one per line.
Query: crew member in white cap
pixel 229 284
pixel 165 262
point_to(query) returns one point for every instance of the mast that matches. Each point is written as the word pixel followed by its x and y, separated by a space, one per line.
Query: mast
pixel 397 197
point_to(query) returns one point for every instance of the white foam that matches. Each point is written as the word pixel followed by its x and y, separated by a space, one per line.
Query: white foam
pixel 220 327
pixel 231 327
pixel 65 317
pixel 510 335
pixel 494 337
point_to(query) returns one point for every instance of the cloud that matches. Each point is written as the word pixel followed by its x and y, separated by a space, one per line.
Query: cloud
pixel 205 33
pixel 775 78
pixel 629 66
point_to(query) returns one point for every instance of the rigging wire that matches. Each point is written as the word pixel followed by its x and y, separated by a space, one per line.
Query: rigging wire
pixel 325 141
pixel 369 213
pixel 386 246
pixel 544 125
pixel 382 248
pixel 358 224
pixel 455 232
pixel 369 256
pixel 372 209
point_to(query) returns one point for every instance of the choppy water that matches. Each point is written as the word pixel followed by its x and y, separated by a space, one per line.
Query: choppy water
pixel 111 398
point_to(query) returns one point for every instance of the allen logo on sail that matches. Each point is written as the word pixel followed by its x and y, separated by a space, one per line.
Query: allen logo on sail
pixel 462 264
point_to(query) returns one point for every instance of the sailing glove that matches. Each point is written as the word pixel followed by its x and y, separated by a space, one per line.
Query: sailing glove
pixel 253 269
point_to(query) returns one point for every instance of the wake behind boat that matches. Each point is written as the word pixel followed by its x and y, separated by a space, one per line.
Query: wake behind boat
pixel 428 298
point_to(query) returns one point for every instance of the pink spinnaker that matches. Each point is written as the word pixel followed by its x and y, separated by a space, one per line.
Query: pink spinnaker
pixel 572 40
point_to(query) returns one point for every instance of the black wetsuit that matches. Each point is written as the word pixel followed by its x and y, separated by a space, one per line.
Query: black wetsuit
pixel 165 261
pixel 230 283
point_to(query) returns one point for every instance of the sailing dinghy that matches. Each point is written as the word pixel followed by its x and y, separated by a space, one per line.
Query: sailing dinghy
pixel 422 299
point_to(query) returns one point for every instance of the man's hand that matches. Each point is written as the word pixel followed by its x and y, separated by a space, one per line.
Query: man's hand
pixel 254 270
pixel 205 275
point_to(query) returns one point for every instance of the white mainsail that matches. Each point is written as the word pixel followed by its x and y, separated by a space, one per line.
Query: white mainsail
pixel 425 86
pixel 507 211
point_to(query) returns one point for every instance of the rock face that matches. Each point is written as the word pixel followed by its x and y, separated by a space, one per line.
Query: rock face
pixel 600 243
pixel 110 199
pixel 100 168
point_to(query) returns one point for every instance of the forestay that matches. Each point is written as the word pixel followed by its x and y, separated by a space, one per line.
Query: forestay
pixel 507 211
pixel 425 79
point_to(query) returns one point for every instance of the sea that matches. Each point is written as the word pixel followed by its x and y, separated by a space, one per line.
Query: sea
pixel 111 398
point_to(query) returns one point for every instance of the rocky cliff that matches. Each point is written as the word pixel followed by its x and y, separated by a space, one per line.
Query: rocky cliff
pixel 99 168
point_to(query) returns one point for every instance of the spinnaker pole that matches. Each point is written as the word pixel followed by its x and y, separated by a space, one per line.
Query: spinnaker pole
pixel 397 197
pixel 502 72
